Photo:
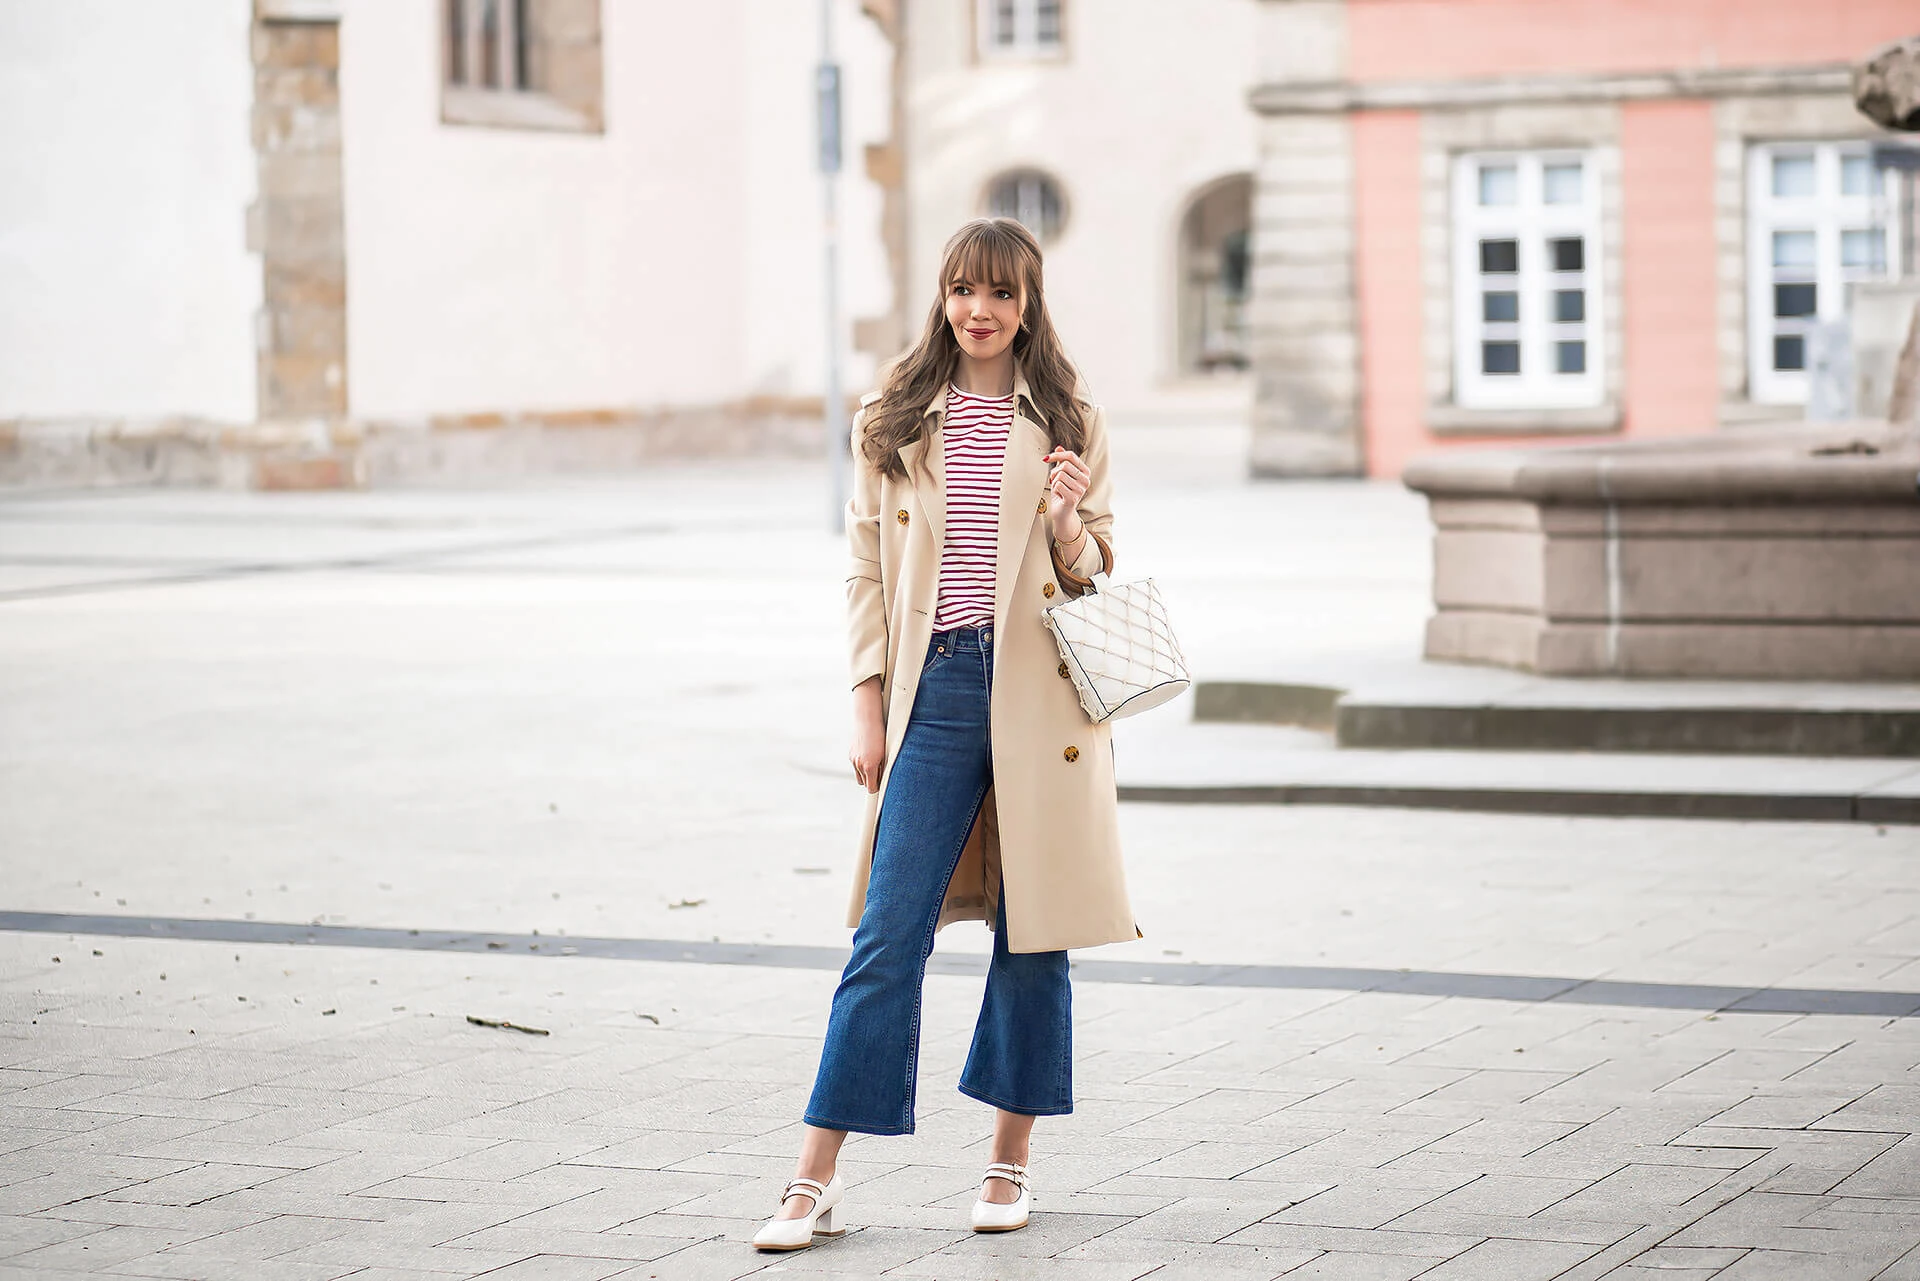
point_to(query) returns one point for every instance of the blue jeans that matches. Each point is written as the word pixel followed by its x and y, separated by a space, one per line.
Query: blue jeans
pixel 1022 1056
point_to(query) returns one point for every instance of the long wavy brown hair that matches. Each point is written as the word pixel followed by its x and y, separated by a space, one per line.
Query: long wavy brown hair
pixel 1000 252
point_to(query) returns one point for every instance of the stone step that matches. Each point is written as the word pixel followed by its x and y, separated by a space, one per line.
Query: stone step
pixel 1723 730
pixel 1197 762
pixel 1504 712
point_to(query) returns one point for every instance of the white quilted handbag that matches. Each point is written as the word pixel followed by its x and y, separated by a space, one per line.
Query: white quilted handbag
pixel 1118 647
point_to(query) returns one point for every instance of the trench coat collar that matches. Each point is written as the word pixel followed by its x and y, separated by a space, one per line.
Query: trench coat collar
pixel 1023 477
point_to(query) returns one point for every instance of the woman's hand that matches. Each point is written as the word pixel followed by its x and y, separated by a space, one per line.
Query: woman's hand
pixel 1066 484
pixel 869 751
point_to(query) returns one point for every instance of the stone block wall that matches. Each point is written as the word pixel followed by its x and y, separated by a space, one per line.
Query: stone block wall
pixel 1771 554
pixel 297 222
pixel 1304 316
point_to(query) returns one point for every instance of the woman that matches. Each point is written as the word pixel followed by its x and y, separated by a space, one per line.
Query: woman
pixel 980 498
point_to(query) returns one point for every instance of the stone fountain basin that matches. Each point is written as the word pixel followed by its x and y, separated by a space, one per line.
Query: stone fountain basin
pixel 1780 553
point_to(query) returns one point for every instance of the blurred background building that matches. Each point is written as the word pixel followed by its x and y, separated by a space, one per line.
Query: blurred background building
pixel 1490 219
pixel 315 242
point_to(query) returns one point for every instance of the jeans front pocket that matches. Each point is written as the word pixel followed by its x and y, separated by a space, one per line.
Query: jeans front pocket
pixel 937 652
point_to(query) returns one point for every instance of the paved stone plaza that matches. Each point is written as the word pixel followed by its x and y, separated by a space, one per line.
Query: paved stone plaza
pixel 572 757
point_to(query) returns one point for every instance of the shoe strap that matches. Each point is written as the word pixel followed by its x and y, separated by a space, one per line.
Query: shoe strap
pixel 807 1187
pixel 1014 1174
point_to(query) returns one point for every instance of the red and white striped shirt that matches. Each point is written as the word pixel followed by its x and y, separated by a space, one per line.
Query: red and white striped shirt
pixel 976 432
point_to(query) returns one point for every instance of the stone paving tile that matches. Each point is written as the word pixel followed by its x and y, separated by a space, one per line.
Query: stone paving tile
pixel 265 1239
pixel 1528 1228
pixel 870 1250
pixel 1205 1220
pixel 515 1238
pixel 1637 1194
pixel 200 1267
pixel 20 1233
pixel 1342 1265
pixel 558 1267
pixel 47 1191
pixel 104 1248
pixel 1505 1195
pixel 1370 1200
pixel 1508 1260
pixel 954 1266
pixel 1427 1245
pixel 1211 1161
pixel 1788 1265
pixel 704 1261
pixel 1191 1257
pixel 1906 1268
pixel 1889 1107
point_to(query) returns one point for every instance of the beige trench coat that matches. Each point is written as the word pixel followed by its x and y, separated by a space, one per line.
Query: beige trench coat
pixel 1048 832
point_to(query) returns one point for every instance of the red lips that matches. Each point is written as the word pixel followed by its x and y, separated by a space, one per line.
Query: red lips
pixel 980 335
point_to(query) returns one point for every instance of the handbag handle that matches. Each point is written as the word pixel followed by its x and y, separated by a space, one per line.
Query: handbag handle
pixel 1074 580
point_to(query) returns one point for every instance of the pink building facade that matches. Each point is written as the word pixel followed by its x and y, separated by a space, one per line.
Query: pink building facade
pixel 1494 220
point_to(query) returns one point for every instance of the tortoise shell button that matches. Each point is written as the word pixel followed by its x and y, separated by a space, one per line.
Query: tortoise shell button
pixel 901 515
pixel 1063 670
pixel 1072 753
pixel 1042 508
pixel 1047 590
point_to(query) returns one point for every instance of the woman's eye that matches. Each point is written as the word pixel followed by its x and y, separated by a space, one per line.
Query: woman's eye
pixel 1003 295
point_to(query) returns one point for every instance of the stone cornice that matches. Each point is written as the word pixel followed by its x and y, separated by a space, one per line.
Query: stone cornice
pixel 1337 97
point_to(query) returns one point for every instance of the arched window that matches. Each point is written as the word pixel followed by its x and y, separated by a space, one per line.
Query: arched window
pixel 1214 277
pixel 1030 196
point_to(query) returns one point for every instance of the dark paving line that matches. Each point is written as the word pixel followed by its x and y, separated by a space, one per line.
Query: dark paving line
pixel 387 560
pixel 1532 989
pixel 1829 807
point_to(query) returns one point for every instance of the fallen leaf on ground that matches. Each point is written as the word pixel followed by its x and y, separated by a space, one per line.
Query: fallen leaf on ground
pixel 506 1024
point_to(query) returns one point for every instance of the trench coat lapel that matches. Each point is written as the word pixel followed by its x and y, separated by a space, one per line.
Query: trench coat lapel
pixel 930 483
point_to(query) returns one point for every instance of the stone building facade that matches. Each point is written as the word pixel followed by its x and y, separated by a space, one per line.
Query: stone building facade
pixel 336 242
pixel 1118 130
pixel 1499 220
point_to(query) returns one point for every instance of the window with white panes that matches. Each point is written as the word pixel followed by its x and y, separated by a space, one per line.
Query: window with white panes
pixel 1031 197
pixel 1020 28
pixel 1526 280
pixel 1819 217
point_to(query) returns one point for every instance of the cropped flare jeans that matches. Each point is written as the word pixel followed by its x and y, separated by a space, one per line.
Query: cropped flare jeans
pixel 1022 1055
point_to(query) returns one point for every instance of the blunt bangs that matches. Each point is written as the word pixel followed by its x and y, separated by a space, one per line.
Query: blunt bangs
pixel 986 253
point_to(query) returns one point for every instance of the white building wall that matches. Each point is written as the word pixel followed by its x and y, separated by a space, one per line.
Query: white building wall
pixel 672 260
pixel 1147 108
pixel 126 169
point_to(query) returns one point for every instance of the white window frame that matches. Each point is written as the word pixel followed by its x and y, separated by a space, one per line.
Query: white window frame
pixel 1531 222
pixel 990 21
pixel 1029 205
pixel 1827 213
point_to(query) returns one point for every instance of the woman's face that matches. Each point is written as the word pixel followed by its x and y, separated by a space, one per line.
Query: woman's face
pixel 984 317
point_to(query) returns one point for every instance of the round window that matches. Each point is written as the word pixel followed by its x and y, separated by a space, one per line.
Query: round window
pixel 1031 197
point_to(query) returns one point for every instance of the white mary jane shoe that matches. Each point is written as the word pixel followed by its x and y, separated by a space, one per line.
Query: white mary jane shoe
pixel 990 1216
pixel 822 1220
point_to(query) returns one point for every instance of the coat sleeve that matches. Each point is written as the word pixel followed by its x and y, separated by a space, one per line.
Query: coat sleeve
pixel 1096 513
pixel 866 603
